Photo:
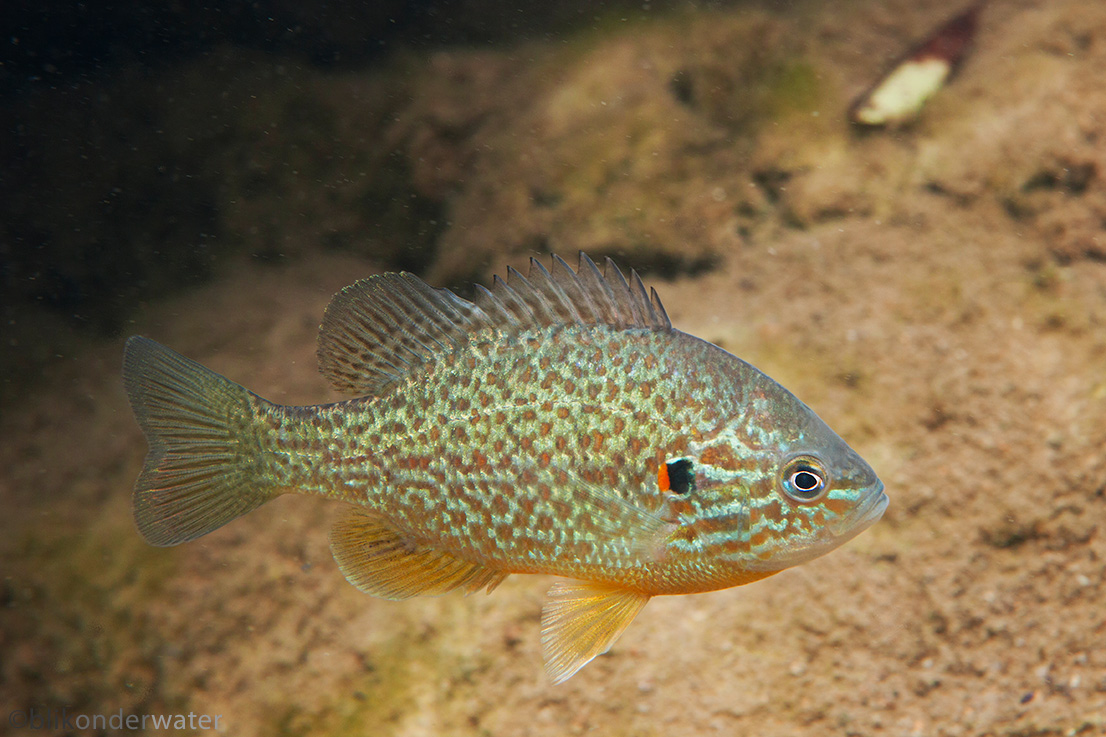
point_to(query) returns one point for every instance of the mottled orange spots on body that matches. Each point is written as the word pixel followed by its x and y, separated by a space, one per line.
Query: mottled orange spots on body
pixel 597 439
pixel 771 510
pixel 710 525
pixel 719 455
pixel 759 539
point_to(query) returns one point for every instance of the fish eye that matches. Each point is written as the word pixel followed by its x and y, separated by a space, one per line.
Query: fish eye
pixel 804 480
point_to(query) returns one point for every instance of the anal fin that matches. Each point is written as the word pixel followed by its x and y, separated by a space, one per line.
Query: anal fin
pixel 379 561
pixel 582 620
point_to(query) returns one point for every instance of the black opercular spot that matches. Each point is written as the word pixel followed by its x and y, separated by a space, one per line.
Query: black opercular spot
pixel 681 476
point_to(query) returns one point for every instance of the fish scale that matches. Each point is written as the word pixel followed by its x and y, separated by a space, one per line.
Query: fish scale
pixel 536 429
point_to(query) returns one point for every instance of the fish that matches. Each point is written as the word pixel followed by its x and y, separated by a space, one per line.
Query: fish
pixel 898 96
pixel 555 424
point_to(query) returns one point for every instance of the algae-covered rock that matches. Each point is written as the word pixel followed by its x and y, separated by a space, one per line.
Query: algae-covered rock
pixel 634 143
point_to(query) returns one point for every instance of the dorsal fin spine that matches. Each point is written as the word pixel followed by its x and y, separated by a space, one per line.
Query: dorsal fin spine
pixel 555 294
pixel 666 322
pixel 630 311
pixel 649 313
pixel 494 307
pixel 598 288
pixel 512 301
pixel 575 291
pixel 531 297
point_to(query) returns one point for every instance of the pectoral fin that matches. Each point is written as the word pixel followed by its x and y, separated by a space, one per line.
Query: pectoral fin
pixel 378 560
pixel 582 620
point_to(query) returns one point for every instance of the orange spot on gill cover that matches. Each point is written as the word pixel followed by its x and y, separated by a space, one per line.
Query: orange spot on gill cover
pixel 662 477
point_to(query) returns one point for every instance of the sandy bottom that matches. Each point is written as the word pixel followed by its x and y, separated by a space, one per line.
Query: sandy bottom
pixel 974 607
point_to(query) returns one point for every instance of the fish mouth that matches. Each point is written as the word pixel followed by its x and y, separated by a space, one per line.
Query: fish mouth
pixel 865 515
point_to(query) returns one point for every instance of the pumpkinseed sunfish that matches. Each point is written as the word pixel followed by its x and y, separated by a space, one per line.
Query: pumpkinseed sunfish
pixel 557 424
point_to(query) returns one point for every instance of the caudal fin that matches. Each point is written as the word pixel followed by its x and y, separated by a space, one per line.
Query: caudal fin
pixel 198 474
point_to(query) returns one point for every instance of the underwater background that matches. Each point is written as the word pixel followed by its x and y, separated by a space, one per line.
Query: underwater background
pixel 935 290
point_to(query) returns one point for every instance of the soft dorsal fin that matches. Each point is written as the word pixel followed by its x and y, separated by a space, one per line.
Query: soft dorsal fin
pixel 378 330
pixel 383 328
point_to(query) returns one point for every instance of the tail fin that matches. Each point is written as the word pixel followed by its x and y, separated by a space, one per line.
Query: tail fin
pixel 197 475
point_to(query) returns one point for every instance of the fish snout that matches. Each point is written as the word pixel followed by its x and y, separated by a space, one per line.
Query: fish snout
pixel 866 513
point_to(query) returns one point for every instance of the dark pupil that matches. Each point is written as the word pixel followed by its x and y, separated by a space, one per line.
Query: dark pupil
pixel 805 481
pixel 681 478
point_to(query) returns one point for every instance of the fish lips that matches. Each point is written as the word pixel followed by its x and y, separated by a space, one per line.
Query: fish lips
pixel 864 516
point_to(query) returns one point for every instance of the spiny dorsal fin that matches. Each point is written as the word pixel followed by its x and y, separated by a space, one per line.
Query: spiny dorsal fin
pixel 381 329
pixel 585 296
pixel 379 561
